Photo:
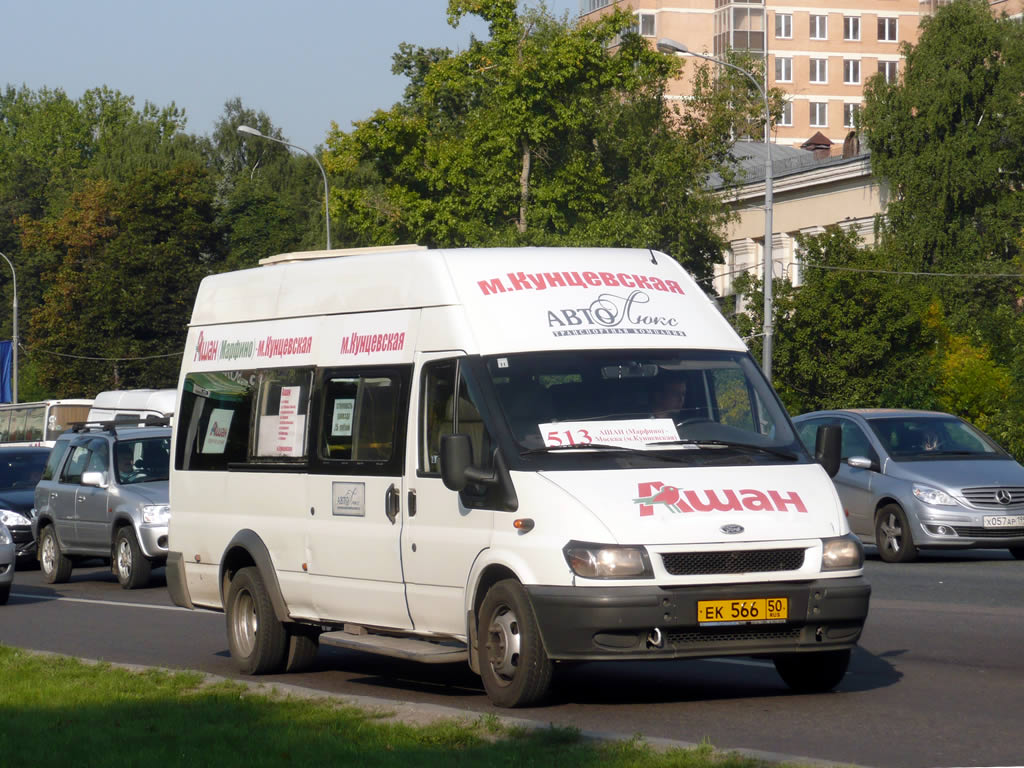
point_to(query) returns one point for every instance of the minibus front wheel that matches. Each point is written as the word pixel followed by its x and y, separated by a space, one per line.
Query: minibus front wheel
pixel 514 666
pixel 258 641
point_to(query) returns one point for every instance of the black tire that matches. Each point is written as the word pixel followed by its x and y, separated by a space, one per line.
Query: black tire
pixel 815 672
pixel 56 566
pixel 514 666
pixel 1017 552
pixel 892 535
pixel 258 641
pixel 303 644
pixel 131 566
pixel 5 594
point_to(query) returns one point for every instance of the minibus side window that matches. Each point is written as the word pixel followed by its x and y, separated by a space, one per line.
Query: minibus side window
pixel 449 410
pixel 361 422
pixel 214 420
pixel 284 399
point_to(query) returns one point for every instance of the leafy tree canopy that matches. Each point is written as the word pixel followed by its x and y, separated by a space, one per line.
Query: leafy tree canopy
pixel 536 136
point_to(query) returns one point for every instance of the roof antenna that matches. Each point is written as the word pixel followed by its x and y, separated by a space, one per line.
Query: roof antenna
pixel 653 260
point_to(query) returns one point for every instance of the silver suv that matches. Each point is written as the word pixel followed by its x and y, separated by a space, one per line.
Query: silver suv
pixel 104 494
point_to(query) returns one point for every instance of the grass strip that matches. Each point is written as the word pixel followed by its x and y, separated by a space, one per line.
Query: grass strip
pixel 59 712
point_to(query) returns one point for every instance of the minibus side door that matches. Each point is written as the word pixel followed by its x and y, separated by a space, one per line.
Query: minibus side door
pixel 442 537
pixel 356 494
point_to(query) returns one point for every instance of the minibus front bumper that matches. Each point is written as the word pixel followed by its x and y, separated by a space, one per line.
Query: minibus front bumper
pixel 649 622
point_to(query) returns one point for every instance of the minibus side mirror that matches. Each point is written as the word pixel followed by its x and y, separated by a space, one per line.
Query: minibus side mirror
pixel 827 447
pixel 457 468
pixel 456 459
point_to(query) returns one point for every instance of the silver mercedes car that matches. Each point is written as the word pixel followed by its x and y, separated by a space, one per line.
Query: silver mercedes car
pixel 912 480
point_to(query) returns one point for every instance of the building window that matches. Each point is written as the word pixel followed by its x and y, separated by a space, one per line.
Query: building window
pixel 819 70
pixel 819 114
pixel 783 69
pixel 851 28
pixel 887 30
pixel 851 71
pixel 646 24
pixel 784 25
pixel 889 70
pixel 819 27
pixel 738 27
pixel 850 115
pixel 787 114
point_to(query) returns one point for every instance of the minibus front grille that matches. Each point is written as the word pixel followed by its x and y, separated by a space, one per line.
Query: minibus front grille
pixel 744 561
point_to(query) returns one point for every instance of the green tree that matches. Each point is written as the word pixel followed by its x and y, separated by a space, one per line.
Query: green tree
pixel 269 200
pixel 948 138
pixel 535 136
pixel 847 337
pixel 132 255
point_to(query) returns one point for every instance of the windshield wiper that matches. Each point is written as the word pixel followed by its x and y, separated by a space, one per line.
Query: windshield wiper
pixel 729 444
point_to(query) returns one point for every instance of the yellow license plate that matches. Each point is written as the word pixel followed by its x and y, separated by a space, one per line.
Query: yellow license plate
pixel 758 610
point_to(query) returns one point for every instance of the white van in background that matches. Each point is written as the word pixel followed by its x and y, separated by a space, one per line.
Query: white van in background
pixel 132 405
pixel 510 457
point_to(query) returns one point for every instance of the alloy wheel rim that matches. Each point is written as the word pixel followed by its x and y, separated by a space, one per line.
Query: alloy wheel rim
pixel 124 559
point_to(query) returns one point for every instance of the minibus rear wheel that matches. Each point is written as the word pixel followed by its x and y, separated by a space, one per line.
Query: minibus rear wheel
pixel 257 640
pixel 514 666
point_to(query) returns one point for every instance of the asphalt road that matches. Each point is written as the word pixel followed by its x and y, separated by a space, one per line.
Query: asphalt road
pixel 938 679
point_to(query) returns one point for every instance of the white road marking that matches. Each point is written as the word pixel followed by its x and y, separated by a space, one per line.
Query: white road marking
pixel 105 602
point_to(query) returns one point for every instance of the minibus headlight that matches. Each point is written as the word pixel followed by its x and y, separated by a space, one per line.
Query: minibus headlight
pixel 605 561
pixel 843 553
pixel 10 517
pixel 156 514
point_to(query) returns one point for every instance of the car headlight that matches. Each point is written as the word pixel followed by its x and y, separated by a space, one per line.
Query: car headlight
pixel 842 553
pixel 933 496
pixel 10 517
pixel 156 514
pixel 5 536
pixel 605 561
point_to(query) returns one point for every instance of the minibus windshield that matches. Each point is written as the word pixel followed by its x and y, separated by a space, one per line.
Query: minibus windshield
pixel 641 400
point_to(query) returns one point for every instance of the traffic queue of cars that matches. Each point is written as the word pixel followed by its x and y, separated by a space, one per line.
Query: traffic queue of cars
pixel 99 490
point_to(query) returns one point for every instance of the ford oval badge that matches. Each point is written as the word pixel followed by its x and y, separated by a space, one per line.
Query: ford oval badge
pixel 732 528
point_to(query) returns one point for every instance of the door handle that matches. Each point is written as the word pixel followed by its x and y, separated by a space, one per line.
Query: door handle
pixel 410 503
pixel 391 503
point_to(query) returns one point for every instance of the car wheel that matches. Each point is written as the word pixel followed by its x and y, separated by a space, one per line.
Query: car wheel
pixel 892 535
pixel 5 594
pixel 514 666
pixel 303 644
pixel 130 565
pixel 815 672
pixel 1017 552
pixel 258 641
pixel 56 566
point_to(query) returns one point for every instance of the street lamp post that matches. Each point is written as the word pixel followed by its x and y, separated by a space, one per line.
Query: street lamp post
pixel 327 192
pixel 14 334
pixel 666 45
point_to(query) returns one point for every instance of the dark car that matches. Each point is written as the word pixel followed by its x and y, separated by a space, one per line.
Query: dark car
pixel 20 470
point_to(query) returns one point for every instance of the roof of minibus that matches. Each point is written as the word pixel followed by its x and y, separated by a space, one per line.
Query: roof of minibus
pixel 566 290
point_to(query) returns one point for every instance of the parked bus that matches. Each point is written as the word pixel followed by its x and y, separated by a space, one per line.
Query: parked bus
pixel 39 423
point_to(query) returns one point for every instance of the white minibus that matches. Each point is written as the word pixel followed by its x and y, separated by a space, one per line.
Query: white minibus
pixel 513 458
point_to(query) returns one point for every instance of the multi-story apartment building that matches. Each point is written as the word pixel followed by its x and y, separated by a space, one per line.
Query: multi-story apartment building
pixel 820 54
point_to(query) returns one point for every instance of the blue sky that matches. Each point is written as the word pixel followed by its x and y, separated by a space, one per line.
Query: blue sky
pixel 303 62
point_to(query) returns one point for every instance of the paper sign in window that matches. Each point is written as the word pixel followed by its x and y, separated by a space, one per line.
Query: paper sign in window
pixel 216 440
pixel 341 424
